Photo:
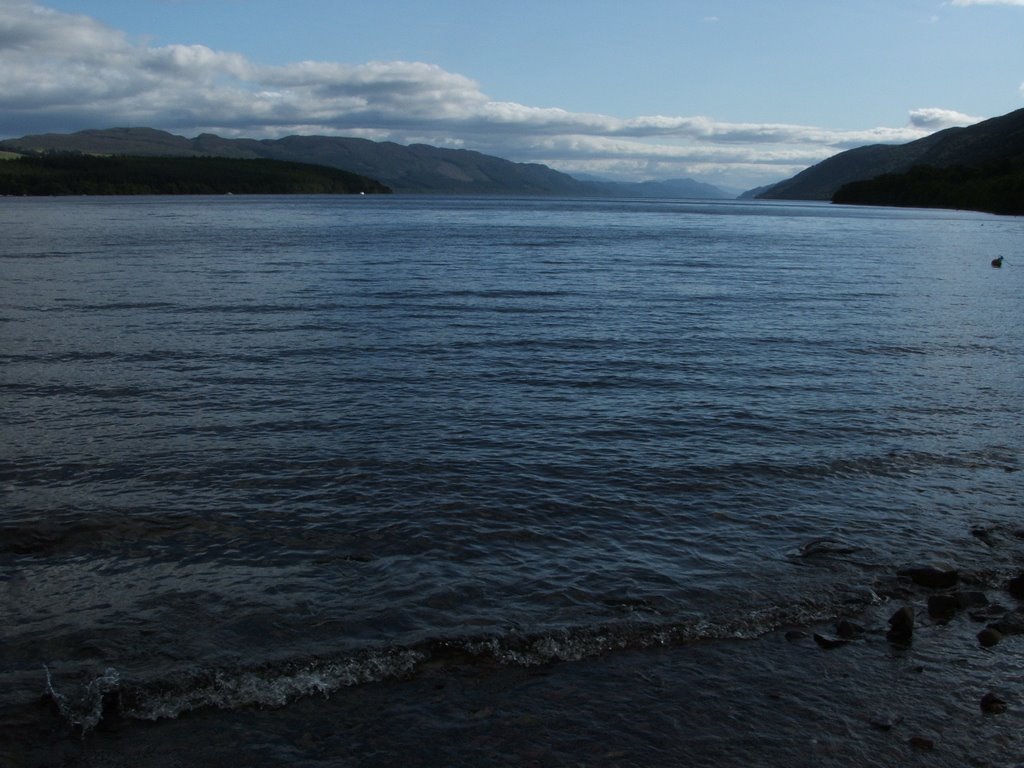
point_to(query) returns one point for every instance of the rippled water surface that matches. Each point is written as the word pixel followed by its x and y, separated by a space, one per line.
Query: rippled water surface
pixel 258 450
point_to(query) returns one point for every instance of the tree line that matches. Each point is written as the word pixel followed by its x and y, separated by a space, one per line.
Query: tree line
pixel 997 188
pixel 80 174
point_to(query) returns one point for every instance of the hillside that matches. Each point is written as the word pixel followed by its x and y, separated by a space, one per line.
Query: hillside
pixel 993 189
pixel 79 174
pixel 991 142
pixel 418 168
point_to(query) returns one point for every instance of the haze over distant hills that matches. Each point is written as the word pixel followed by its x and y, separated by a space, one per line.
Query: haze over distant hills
pixel 418 168
pixel 992 147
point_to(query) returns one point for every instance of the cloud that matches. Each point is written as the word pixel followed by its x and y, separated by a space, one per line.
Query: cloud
pixel 932 119
pixel 64 72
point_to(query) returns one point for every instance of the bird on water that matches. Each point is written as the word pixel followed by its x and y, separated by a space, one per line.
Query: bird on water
pixel 997 263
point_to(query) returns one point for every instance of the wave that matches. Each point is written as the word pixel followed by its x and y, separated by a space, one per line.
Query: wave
pixel 113 694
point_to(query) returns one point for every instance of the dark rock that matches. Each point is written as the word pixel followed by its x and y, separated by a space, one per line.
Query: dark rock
pixel 922 743
pixel 989 612
pixel 885 721
pixel 972 599
pixel 985 535
pixel 828 643
pixel 992 704
pixel 932 577
pixel 848 630
pixel 1016 587
pixel 943 607
pixel 989 637
pixel 901 626
pixel 1010 624
pixel 795 634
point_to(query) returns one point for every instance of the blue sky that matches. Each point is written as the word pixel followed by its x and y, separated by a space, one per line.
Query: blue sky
pixel 735 92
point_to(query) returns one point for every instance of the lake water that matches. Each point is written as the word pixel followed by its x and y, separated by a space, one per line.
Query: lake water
pixel 318 481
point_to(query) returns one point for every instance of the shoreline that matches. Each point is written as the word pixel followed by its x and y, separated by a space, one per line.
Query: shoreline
pixel 834 693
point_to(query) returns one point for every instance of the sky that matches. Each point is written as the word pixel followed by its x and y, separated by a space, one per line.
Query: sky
pixel 737 93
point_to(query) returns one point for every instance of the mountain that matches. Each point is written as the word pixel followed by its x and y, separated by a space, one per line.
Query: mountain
pixel 418 168
pixel 669 188
pixel 991 142
pixel 73 173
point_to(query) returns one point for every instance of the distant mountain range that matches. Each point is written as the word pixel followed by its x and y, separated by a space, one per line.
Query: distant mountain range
pixel 992 150
pixel 418 168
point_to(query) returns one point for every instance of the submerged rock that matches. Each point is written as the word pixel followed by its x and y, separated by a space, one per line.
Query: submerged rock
pixel 849 630
pixel 1010 624
pixel 943 607
pixel 932 576
pixel 989 637
pixel 922 743
pixel 827 642
pixel 901 626
pixel 885 721
pixel 989 612
pixel 1016 587
pixel 992 704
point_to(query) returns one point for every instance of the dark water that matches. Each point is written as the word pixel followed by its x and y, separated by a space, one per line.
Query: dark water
pixel 322 481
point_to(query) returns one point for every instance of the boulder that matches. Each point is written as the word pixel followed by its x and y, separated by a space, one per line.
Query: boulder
pixel 932 576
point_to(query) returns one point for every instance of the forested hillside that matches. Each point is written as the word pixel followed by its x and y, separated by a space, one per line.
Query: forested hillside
pixel 78 174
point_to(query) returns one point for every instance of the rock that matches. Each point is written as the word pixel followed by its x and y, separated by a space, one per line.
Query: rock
pixel 922 743
pixel 932 577
pixel 1010 624
pixel 989 637
pixel 885 721
pixel 989 612
pixel 828 643
pixel 901 626
pixel 795 634
pixel 943 607
pixel 985 535
pixel 972 599
pixel 992 704
pixel 1016 587
pixel 848 630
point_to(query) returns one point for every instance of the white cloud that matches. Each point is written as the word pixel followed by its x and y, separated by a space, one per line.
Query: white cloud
pixel 932 119
pixel 989 2
pixel 66 72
